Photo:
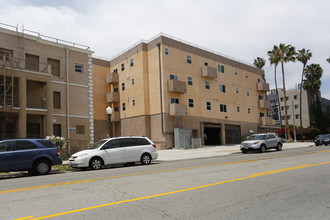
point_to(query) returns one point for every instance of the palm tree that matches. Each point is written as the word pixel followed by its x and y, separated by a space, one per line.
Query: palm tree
pixel 286 54
pixel 303 56
pixel 274 59
pixel 312 84
pixel 259 62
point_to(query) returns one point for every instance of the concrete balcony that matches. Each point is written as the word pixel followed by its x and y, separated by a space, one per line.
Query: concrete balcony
pixel 267 121
pixel 264 104
pixel 112 78
pixel 178 109
pixel 262 87
pixel 115 116
pixel 113 97
pixel 209 72
pixel 177 86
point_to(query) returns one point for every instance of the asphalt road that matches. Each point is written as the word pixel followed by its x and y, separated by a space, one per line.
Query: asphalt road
pixel 292 184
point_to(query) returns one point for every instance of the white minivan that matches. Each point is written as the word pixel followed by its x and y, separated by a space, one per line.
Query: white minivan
pixel 117 150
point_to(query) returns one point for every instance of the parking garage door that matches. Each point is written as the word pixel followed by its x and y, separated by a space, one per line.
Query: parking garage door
pixel 233 134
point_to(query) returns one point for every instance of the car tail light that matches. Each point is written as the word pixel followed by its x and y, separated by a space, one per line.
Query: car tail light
pixel 58 151
pixel 154 145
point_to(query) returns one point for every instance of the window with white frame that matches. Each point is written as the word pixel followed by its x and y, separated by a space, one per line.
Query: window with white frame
pixel 124 106
pixel 166 51
pixel 79 68
pixel 189 61
pixel 208 106
pixel 223 108
pixel 190 81
pixel 175 77
pixel 238 109
pixel 131 62
pixel 207 85
pixel 237 90
pixel 133 102
pixel 249 110
pixel 122 67
pixel 175 100
pixel 222 88
pixel 190 103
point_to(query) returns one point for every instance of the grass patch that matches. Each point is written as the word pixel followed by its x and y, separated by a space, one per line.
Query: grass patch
pixel 62 168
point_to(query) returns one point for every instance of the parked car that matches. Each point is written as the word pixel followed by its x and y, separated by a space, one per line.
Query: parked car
pixel 32 155
pixel 117 150
pixel 262 142
pixel 322 139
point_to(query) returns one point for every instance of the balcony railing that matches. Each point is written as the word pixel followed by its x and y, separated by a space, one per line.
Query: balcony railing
pixel 113 97
pixel 115 116
pixel 177 86
pixel 112 78
pixel 178 109
pixel 264 104
pixel 22 64
pixel 209 72
pixel 263 87
pixel 267 121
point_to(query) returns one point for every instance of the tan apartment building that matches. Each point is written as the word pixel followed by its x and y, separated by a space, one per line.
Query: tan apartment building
pixel 156 86
pixel 46 88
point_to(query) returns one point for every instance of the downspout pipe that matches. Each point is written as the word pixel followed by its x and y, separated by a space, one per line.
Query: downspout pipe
pixel 67 100
pixel 160 88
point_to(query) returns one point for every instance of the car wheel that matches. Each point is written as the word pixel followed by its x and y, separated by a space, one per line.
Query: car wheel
pixel 316 144
pixel 96 163
pixel 145 159
pixel 42 167
pixel 244 151
pixel 263 148
pixel 279 147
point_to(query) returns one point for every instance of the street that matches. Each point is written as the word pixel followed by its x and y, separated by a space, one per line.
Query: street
pixel 291 184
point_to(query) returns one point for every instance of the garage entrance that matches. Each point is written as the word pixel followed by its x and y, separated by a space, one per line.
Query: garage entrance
pixel 233 134
pixel 212 134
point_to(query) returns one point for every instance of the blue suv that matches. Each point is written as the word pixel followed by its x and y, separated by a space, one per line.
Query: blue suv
pixel 33 155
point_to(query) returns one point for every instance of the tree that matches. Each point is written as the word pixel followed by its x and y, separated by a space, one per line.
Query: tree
pixel 312 83
pixel 274 59
pixel 328 60
pixel 259 62
pixel 286 54
pixel 303 56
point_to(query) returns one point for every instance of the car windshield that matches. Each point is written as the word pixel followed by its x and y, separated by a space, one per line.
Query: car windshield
pixel 256 137
pixel 97 144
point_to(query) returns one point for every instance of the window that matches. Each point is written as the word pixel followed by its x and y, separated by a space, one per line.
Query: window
pixel 297 116
pixel 208 105
pixel 24 145
pixel 131 62
pixel 259 80
pixel 57 130
pixel 296 106
pixel 287 98
pixel 248 93
pixel 191 103
pixel 175 100
pixel 78 68
pixel 236 72
pixel 221 68
pixel 116 109
pixel 223 108
pixel 249 110
pixel 133 82
pixel 222 88
pixel 261 114
pixel 246 75
pixel 123 106
pixel 238 109
pixel 172 76
pixel 57 100
pixel 189 59
pixel 295 97
pixel 6 146
pixel 206 64
pixel 54 66
pixel 207 85
pixel 80 129
pixel 115 70
pixel 31 62
pixel 123 87
pixel 260 97
pixel 283 117
pixel 282 108
pixel 282 99
pixel 237 90
pixel 289 117
pixel 115 89
pixel 133 102
pixel 122 67
pixel 190 81
pixel 8 54
pixel 166 51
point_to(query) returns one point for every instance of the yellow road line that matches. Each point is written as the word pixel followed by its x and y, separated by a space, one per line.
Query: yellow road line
pixel 151 172
pixel 179 191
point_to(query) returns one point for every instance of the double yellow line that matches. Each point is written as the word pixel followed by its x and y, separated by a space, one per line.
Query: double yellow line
pixel 174 192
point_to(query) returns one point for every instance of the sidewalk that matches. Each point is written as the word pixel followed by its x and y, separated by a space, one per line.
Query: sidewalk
pixel 210 151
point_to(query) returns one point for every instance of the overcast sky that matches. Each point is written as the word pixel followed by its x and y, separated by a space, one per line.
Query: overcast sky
pixel 238 28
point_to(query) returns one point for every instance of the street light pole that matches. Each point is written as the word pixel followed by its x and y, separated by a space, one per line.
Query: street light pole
pixel 109 112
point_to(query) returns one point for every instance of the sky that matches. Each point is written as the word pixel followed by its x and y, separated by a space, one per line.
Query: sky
pixel 240 29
